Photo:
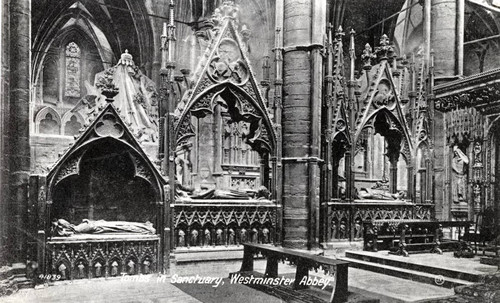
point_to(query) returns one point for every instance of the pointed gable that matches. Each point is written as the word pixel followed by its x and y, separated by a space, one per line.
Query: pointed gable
pixel 381 94
pixel 225 70
pixel 108 124
pixel 341 123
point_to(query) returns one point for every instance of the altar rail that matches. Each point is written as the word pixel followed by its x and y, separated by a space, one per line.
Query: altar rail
pixel 223 222
pixel 344 220
pixel 101 256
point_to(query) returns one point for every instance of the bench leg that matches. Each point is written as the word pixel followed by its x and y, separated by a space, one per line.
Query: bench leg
pixel 247 264
pixel 402 250
pixel 301 276
pixel 436 249
pixel 340 289
pixel 272 266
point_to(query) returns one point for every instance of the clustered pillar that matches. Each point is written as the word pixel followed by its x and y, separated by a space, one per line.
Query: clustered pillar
pixel 301 121
pixel 14 119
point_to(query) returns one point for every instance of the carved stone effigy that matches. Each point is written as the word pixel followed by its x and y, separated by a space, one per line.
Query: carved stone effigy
pixel 62 227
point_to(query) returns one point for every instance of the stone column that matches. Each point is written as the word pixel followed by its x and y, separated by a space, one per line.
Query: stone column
pixel 393 175
pixel 20 46
pixel 304 26
pixel 444 38
pixel 4 126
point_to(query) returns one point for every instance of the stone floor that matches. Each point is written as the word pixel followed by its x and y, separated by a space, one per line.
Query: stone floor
pixel 150 289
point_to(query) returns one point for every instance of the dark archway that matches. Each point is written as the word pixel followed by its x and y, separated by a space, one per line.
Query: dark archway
pixel 107 187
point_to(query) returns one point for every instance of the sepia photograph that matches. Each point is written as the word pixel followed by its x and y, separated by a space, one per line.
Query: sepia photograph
pixel 268 151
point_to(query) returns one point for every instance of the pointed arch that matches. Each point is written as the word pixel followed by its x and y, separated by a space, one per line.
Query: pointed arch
pixel 241 107
pixel 71 117
pixel 393 125
pixel 43 115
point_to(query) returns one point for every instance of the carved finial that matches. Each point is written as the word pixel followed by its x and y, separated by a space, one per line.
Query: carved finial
pixel 245 32
pixel 106 85
pixel 367 57
pixel 404 60
pixel 384 40
pixel 339 33
pixel 227 10
pixel 385 50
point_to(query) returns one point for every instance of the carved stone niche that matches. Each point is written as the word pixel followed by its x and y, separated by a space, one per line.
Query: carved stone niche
pixel 109 181
pixel 221 142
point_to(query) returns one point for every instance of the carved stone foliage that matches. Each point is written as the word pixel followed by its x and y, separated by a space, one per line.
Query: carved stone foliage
pixel 240 107
pixel 86 260
pixel 204 84
pixel 70 167
pixel 185 129
pixel 141 169
pixel 223 225
pixel 464 125
pixel 480 97
pixel 242 183
pixel 204 105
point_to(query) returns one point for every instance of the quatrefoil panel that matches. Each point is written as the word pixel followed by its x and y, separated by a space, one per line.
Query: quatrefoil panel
pixel 109 127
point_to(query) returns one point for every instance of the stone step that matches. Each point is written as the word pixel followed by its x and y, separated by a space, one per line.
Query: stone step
pixel 409 274
pixel 494 261
pixel 415 248
pixel 14 269
pixel 434 270
pixel 22 282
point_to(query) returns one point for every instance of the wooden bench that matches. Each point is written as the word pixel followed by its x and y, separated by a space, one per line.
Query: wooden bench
pixel 337 269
